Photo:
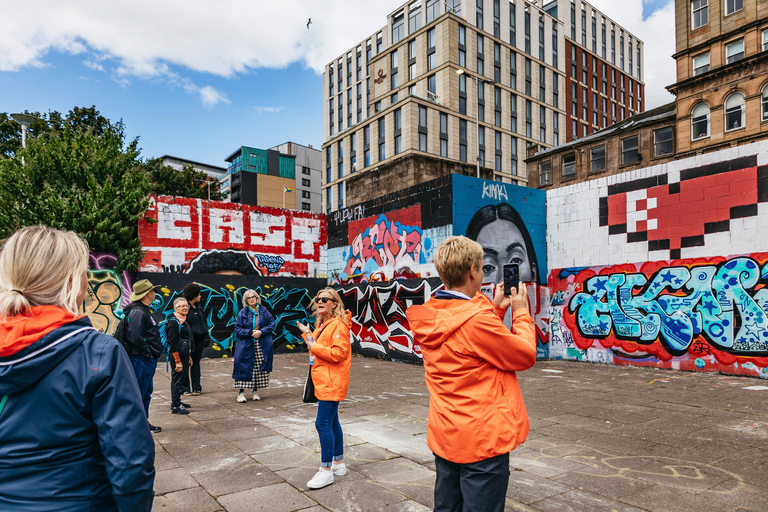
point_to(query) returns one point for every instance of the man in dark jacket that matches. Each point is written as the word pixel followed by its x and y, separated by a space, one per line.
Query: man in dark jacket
pixel 143 335
pixel 197 321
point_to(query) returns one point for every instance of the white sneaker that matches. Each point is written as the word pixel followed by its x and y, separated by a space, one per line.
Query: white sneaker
pixel 339 469
pixel 255 396
pixel 241 398
pixel 321 479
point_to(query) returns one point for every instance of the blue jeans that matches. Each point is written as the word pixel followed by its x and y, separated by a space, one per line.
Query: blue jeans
pixel 144 368
pixel 329 429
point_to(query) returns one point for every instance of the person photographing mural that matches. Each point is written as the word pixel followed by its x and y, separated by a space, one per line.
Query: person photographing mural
pixel 331 359
pixel 199 325
pixel 181 344
pixel 71 423
pixel 253 361
pixel 476 410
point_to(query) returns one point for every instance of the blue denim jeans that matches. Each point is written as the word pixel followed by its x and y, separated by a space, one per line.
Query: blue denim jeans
pixel 329 429
pixel 144 368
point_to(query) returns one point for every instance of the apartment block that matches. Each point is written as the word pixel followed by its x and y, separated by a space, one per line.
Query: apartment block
pixel 448 85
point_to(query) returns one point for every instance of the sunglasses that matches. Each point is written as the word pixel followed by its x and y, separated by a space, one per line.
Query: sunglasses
pixel 323 300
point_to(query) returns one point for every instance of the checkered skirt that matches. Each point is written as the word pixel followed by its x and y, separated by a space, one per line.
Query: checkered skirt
pixel 260 380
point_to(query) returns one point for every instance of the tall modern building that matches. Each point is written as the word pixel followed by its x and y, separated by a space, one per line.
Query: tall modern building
pixel 308 175
pixel 604 64
pixel 722 73
pixel 446 85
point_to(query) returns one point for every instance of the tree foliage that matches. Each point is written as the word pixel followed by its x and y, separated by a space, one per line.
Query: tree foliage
pixel 81 175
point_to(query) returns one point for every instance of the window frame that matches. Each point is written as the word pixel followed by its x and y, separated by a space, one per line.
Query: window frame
pixel 725 7
pixel 564 165
pixel 741 53
pixel 545 176
pixel 593 160
pixel 627 152
pixel 764 103
pixel 657 143
pixel 694 68
pixel 694 11
pixel 706 118
pixel 741 111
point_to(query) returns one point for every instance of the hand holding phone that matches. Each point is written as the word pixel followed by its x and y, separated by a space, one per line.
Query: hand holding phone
pixel 511 278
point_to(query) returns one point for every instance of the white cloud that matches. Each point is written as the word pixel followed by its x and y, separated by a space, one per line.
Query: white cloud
pixel 657 33
pixel 145 38
pixel 209 96
pixel 268 110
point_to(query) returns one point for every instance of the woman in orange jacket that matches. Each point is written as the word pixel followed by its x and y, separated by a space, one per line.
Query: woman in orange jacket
pixel 331 358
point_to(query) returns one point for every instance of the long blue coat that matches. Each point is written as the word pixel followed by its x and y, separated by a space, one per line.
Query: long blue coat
pixel 73 432
pixel 244 347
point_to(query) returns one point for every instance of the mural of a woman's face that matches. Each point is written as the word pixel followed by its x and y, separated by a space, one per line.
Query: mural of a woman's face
pixel 503 243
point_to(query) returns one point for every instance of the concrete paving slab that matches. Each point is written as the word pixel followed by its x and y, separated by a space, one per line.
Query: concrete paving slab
pixel 235 477
pixel 274 498
pixel 170 480
pixel 190 500
pixel 265 444
pixel 580 501
pixel 358 495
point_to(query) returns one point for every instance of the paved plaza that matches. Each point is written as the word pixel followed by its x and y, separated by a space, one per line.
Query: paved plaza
pixel 603 438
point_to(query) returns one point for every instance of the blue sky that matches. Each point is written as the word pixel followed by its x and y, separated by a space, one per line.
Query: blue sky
pixel 199 82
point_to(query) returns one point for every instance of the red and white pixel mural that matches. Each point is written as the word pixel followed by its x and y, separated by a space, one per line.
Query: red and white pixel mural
pixel 211 237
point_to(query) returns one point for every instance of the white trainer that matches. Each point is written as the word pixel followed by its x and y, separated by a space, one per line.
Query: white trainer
pixel 339 469
pixel 321 479
pixel 255 396
pixel 241 398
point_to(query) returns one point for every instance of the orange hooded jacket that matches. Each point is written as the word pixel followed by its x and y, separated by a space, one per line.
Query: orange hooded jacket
pixel 333 359
pixel 476 409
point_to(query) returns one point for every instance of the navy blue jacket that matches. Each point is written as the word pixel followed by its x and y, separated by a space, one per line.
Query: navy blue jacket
pixel 245 349
pixel 142 331
pixel 73 432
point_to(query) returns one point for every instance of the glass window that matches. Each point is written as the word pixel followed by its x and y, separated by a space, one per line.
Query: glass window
pixel 699 13
pixel 430 39
pixel 701 64
pixel 734 51
pixel 662 141
pixel 398 27
pixel 597 159
pixel 569 165
pixel 433 10
pixel 734 111
pixel 305 206
pixel 629 152
pixel 731 6
pixel 545 173
pixel 764 100
pixel 765 40
pixel 700 121
pixel 414 16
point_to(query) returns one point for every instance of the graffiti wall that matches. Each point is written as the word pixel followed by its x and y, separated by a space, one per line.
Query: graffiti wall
pixel 645 266
pixel 392 237
pixel 707 314
pixel 194 236
pixel 107 292
pixel 509 221
pixel 287 299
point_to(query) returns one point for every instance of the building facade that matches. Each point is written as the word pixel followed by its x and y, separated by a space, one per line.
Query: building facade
pixel 722 73
pixel 604 65
pixel 308 175
pixel 397 94
pixel 261 177
pixel 214 171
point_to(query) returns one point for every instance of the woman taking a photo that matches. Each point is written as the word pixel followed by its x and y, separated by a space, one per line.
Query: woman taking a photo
pixel 74 434
pixel 331 358
pixel 180 345
pixel 253 346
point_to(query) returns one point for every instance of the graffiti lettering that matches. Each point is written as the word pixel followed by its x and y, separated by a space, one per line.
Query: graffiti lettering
pixel 272 263
pixel 495 191
pixel 347 214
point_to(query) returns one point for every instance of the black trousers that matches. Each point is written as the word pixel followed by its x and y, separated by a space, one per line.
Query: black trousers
pixel 194 372
pixel 473 487
pixel 179 378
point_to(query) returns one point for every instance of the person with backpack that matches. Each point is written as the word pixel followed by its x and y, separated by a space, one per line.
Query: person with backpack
pixel 197 321
pixel 142 340
pixel 181 345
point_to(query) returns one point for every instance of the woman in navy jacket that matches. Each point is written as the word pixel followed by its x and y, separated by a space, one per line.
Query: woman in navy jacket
pixel 253 361
pixel 73 432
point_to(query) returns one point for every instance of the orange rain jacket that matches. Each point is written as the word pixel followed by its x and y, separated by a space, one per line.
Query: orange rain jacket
pixel 333 359
pixel 476 409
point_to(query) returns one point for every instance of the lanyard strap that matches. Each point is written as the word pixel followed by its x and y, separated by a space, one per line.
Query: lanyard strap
pixel 2 403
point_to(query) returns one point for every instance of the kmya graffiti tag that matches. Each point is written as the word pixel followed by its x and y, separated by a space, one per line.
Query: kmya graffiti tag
pixel 725 302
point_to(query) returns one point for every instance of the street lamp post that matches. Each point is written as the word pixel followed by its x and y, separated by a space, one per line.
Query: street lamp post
pixel 477 81
pixel 24 120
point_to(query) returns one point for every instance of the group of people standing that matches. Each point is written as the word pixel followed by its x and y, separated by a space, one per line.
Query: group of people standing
pixel 74 407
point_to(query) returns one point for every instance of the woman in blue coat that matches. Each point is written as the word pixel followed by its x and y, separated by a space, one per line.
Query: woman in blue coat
pixel 73 432
pixel 253 361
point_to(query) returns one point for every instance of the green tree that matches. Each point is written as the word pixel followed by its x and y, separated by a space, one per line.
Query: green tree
pixel 81 175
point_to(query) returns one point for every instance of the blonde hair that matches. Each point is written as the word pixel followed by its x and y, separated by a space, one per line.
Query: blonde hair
pixel 251 293
pixel 41 266
pixel 338 308
pixel 455 256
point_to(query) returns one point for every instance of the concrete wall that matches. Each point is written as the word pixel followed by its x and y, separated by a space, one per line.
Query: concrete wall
pixel 664 266
pixel 208 237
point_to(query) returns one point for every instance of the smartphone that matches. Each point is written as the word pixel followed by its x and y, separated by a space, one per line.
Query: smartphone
pixel 511 277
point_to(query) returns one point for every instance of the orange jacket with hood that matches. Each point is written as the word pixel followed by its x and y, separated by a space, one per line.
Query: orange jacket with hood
pixel 476 409
pixel 333 358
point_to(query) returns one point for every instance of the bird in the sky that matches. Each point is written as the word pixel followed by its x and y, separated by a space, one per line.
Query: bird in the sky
pixel 309 22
